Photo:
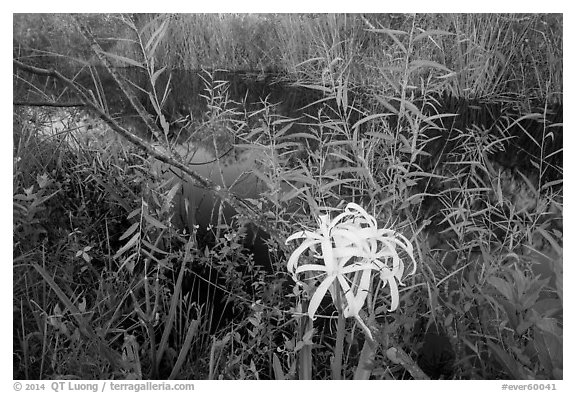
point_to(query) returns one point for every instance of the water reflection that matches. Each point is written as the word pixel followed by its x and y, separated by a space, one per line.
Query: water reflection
pixel 232 170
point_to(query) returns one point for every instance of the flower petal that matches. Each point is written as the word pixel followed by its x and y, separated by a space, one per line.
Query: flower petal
pixel 359 210
pixel 311 267
pixel 352 248
pixel 303 235
pixel 362 289
pixel 297 252
pixel 319 295
pixel 394 294
pixel 328 256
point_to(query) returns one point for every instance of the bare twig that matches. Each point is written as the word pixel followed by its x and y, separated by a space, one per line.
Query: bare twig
pixel 100 53
pixel 49 104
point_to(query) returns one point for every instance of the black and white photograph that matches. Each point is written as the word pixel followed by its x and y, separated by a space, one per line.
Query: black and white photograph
pixel 287 196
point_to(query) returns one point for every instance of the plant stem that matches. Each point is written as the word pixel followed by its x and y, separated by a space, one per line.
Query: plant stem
pixel 305 354
pixel 337 359
pixel 366 361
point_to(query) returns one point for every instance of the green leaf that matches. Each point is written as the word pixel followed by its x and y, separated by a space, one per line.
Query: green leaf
pixel 368 118
pixel 84 325
pixel 154 222
pixel 278 373
pixel 318 88
pixel 167 90
pixel 428 63
pixel 128 245
pixel 382 135
pixel 293 194
pixel 133 213
pixel 299 346
pixel 392 34
pixel 385 101
pixel 551 240
pixel 503 287
pixel 129 231
pixel 151 247
pixel 548 307
pixel 171 194
pixel 129 263
pixel 532 293
pixel 549 325
pixel 430 33
pixel 366 361
pixel 509 364
pixel 123 59
pixel 155 104
pixel 308 336
pixel 549 349
pixel 156 74
pixel 511 312
pixel 156 38
pixel 523 327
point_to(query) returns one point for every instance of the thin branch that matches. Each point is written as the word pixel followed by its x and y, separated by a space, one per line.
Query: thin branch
pixel 100 53
pixel 49 104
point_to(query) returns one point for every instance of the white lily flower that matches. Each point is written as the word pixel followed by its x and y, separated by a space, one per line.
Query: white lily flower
pixel 352 248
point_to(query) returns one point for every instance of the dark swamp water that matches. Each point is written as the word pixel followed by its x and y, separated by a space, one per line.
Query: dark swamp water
pixel 232 167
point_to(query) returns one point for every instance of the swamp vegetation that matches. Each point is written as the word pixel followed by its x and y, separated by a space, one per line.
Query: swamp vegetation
pixel 161 162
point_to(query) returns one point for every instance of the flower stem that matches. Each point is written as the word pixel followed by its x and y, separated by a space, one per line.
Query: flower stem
pixel 305 354
pixel 337 360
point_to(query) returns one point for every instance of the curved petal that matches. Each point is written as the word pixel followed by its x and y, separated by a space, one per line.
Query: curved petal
pixel 328 256
pixel 342 263
pixel 368 266
pixel 344 236
pixel 338 218
pixel 319 295
pixel 359 210
pixel 297 252
pixel 303 235
pixel 354 307
pixel 349 252
pixel 394 295
pixel 393 254
pixel 321 269
pixel 405 244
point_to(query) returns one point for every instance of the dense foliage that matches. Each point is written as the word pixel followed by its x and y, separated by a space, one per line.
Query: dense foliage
pixel 447 128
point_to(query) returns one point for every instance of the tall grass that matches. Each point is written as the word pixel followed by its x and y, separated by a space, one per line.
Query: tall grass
pixel 112 262
pixel 482 55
